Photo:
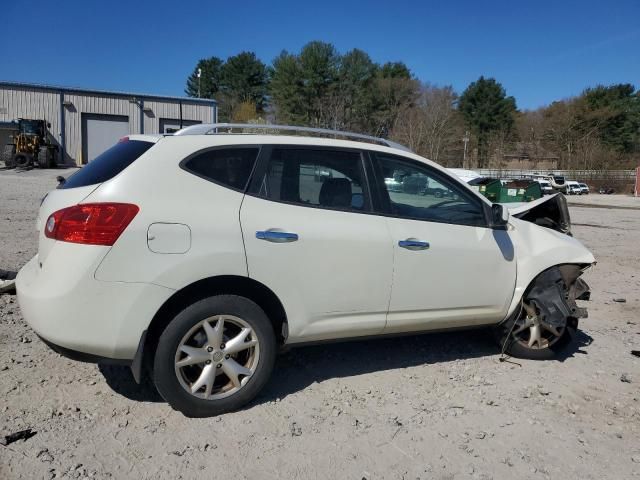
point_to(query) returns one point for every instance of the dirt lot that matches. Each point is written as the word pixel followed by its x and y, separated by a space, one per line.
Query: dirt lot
pixel 436 406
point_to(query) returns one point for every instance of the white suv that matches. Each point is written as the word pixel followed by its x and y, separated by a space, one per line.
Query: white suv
pixel 199 254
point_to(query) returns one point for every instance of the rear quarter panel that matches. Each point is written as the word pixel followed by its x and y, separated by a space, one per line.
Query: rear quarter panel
pixel 166 193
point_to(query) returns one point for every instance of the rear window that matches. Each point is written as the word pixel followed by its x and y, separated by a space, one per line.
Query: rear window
pixel 108 164
pixel 230 167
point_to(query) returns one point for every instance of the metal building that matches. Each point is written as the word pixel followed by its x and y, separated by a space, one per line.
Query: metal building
pixel 84 122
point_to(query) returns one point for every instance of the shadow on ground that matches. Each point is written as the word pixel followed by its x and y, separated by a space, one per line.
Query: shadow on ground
pixel 300 367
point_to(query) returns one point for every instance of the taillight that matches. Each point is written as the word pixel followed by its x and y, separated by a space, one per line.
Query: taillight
pixel 90 223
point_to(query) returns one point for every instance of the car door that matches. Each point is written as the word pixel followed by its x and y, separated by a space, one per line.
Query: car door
pixel 450 268
pixel 311 237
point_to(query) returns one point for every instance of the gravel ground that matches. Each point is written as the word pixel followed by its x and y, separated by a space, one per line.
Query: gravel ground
pixel 437 406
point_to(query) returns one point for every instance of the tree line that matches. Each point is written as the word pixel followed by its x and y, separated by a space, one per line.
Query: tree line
pixel 320 87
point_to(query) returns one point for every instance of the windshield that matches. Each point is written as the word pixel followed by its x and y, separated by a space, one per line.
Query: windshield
pixel 30 128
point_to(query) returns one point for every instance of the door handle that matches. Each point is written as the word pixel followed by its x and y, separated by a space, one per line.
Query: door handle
pixel 276 236
pixel 413 244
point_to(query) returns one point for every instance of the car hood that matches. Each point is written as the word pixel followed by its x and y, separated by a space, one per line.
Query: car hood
pixel 549 211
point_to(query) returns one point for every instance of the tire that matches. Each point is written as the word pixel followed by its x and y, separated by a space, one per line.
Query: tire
pixel 504 337
pixel 43 158
pixel 187 332
pixel 23 160
pixel 8 152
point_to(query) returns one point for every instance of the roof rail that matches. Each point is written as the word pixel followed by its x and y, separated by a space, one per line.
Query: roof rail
pixel 213 128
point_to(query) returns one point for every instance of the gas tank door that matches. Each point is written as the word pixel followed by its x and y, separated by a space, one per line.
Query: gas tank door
pixel 169 238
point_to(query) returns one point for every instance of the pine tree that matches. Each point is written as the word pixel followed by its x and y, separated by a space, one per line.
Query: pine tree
pixel 208 85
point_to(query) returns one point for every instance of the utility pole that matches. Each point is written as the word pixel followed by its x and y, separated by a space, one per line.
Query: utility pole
pixel 199 75
pixel 465 139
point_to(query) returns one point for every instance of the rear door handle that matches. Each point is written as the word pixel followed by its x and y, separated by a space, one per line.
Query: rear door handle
pixel 276 236
pixel 413 244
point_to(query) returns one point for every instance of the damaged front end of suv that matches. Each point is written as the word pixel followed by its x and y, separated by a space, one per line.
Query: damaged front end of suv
pixel 544 314
pixel 549 212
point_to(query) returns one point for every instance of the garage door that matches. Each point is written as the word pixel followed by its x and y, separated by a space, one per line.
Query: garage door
pixel 172 125
pixel 100 132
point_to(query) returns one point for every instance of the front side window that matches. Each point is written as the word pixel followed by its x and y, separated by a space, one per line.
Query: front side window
pixel 420 193
pixel 320 178
pixel 230 167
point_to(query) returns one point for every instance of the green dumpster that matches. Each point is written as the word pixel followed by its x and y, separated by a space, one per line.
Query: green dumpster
pixel 512 191
pixel 520 191
pixel 490 188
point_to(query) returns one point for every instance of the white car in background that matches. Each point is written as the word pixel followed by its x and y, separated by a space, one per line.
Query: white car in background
pixel 573 188
pixel 199 254
pixel 584 189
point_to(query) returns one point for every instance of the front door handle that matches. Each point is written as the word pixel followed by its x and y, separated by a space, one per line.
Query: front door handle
pixel 276 236
pixel 413 244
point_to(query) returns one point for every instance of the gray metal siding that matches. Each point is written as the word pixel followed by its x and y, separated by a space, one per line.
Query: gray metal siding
pixel 94 104
pixel 44 103
pixel 158 110
pixel 31 103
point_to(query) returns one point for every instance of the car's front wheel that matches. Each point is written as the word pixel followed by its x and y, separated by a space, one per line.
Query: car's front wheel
pixel 214 356
pixel 529 336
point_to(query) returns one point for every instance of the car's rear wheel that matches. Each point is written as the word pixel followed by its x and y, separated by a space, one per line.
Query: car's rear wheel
pixel 527 335
pixel 214 356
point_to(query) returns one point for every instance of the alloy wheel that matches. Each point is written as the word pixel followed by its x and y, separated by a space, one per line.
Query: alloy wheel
pixel 217 357
pixel 532 332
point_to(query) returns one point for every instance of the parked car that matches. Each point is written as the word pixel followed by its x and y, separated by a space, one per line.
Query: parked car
pixel 605 190
pixel 200 254
pixel 573 188
pixel 584 189
pixel 546 187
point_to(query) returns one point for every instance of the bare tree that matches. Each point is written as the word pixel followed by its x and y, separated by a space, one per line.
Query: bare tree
pixel 431 126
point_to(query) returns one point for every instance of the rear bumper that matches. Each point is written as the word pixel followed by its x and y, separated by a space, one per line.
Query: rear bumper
pixel 79 315
pixel 82 356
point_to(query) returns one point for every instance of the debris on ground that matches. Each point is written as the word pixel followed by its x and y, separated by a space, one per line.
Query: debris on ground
pixel 635 353
pixel 7 281
pixel 14 437
pixel 620 300
pixel 625 378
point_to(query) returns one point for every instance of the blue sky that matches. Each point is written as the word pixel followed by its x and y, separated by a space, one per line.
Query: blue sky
pixel 539 50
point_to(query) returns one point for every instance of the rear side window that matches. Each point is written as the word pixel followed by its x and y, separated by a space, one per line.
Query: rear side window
pixel 108 164
pixel 330 179
pixel 230 167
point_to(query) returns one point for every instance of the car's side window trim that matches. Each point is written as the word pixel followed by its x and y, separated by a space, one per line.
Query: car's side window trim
pixel 184 161
pixel 377 201
pixel 262 166
pixel 383 193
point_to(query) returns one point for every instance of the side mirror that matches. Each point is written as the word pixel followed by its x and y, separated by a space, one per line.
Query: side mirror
pixel 499 215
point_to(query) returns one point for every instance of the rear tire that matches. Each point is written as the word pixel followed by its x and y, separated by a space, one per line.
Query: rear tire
pixel 43 158
pixel 206 349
